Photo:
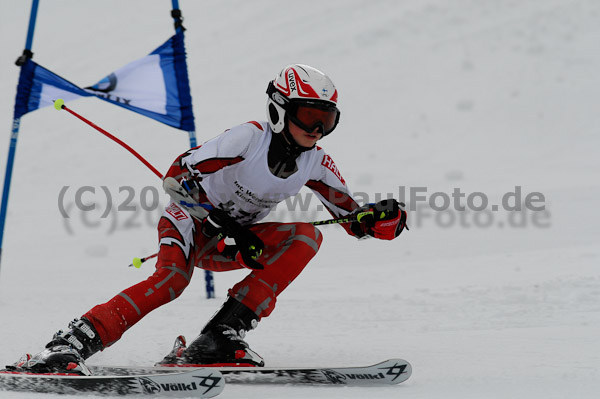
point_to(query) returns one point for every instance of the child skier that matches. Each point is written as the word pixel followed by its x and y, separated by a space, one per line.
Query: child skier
pixel 239 176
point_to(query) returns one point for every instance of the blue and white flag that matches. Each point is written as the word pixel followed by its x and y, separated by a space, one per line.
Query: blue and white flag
pixel 156 86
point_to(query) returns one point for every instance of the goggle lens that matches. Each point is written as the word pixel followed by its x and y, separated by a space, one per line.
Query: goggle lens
pixel 311 117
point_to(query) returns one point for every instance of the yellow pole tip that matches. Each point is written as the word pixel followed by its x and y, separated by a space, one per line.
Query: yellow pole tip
pixel 58 104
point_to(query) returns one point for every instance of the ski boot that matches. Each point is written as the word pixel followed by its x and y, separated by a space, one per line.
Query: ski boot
pixel 65 353
pixel 221 341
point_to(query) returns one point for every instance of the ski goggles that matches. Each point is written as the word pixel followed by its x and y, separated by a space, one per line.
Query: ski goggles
pixel 314 115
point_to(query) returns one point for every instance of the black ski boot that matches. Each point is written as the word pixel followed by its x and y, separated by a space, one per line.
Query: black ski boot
pixel 221 341
pixel 65 353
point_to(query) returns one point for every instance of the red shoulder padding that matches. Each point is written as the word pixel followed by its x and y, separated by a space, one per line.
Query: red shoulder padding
pixel 258 125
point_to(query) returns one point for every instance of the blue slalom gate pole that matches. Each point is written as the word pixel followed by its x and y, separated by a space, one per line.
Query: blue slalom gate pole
pixel 27 54
pixel 8 177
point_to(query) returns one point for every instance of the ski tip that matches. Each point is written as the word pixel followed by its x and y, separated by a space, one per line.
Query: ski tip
pixel 395 370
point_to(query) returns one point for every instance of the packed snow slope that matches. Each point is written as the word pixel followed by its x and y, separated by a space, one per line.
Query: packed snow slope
pixel 484 97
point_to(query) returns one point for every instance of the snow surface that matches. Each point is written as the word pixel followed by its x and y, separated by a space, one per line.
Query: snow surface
pixel 477 95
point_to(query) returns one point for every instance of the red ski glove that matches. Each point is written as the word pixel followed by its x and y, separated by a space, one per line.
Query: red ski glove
pixel 384 220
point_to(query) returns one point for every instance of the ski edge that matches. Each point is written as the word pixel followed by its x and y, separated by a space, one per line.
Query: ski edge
pixel 173 369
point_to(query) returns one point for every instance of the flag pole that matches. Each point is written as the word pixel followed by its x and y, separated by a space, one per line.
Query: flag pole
pixel 27 54
pixel 178 22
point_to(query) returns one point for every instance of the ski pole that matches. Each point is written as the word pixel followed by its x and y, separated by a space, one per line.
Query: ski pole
pixel 344 219
pixel 137 262
pixel 357 217
pixel 60 104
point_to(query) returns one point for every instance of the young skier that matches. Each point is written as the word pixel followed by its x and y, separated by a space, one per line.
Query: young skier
pixel 239 176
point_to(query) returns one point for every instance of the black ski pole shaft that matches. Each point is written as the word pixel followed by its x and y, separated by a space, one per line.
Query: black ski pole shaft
pixel 344 219
pixel 356 217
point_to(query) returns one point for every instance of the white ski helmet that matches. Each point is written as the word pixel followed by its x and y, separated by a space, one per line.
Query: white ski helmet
pixel 304 95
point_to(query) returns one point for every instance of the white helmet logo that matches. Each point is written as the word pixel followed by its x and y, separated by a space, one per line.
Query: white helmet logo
pixel 278 98
pixel 292 80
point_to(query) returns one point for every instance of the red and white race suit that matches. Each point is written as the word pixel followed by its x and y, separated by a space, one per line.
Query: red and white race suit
pixel 233 171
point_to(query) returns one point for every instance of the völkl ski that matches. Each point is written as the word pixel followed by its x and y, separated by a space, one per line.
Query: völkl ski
pixel 389 372
pixel 200 383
